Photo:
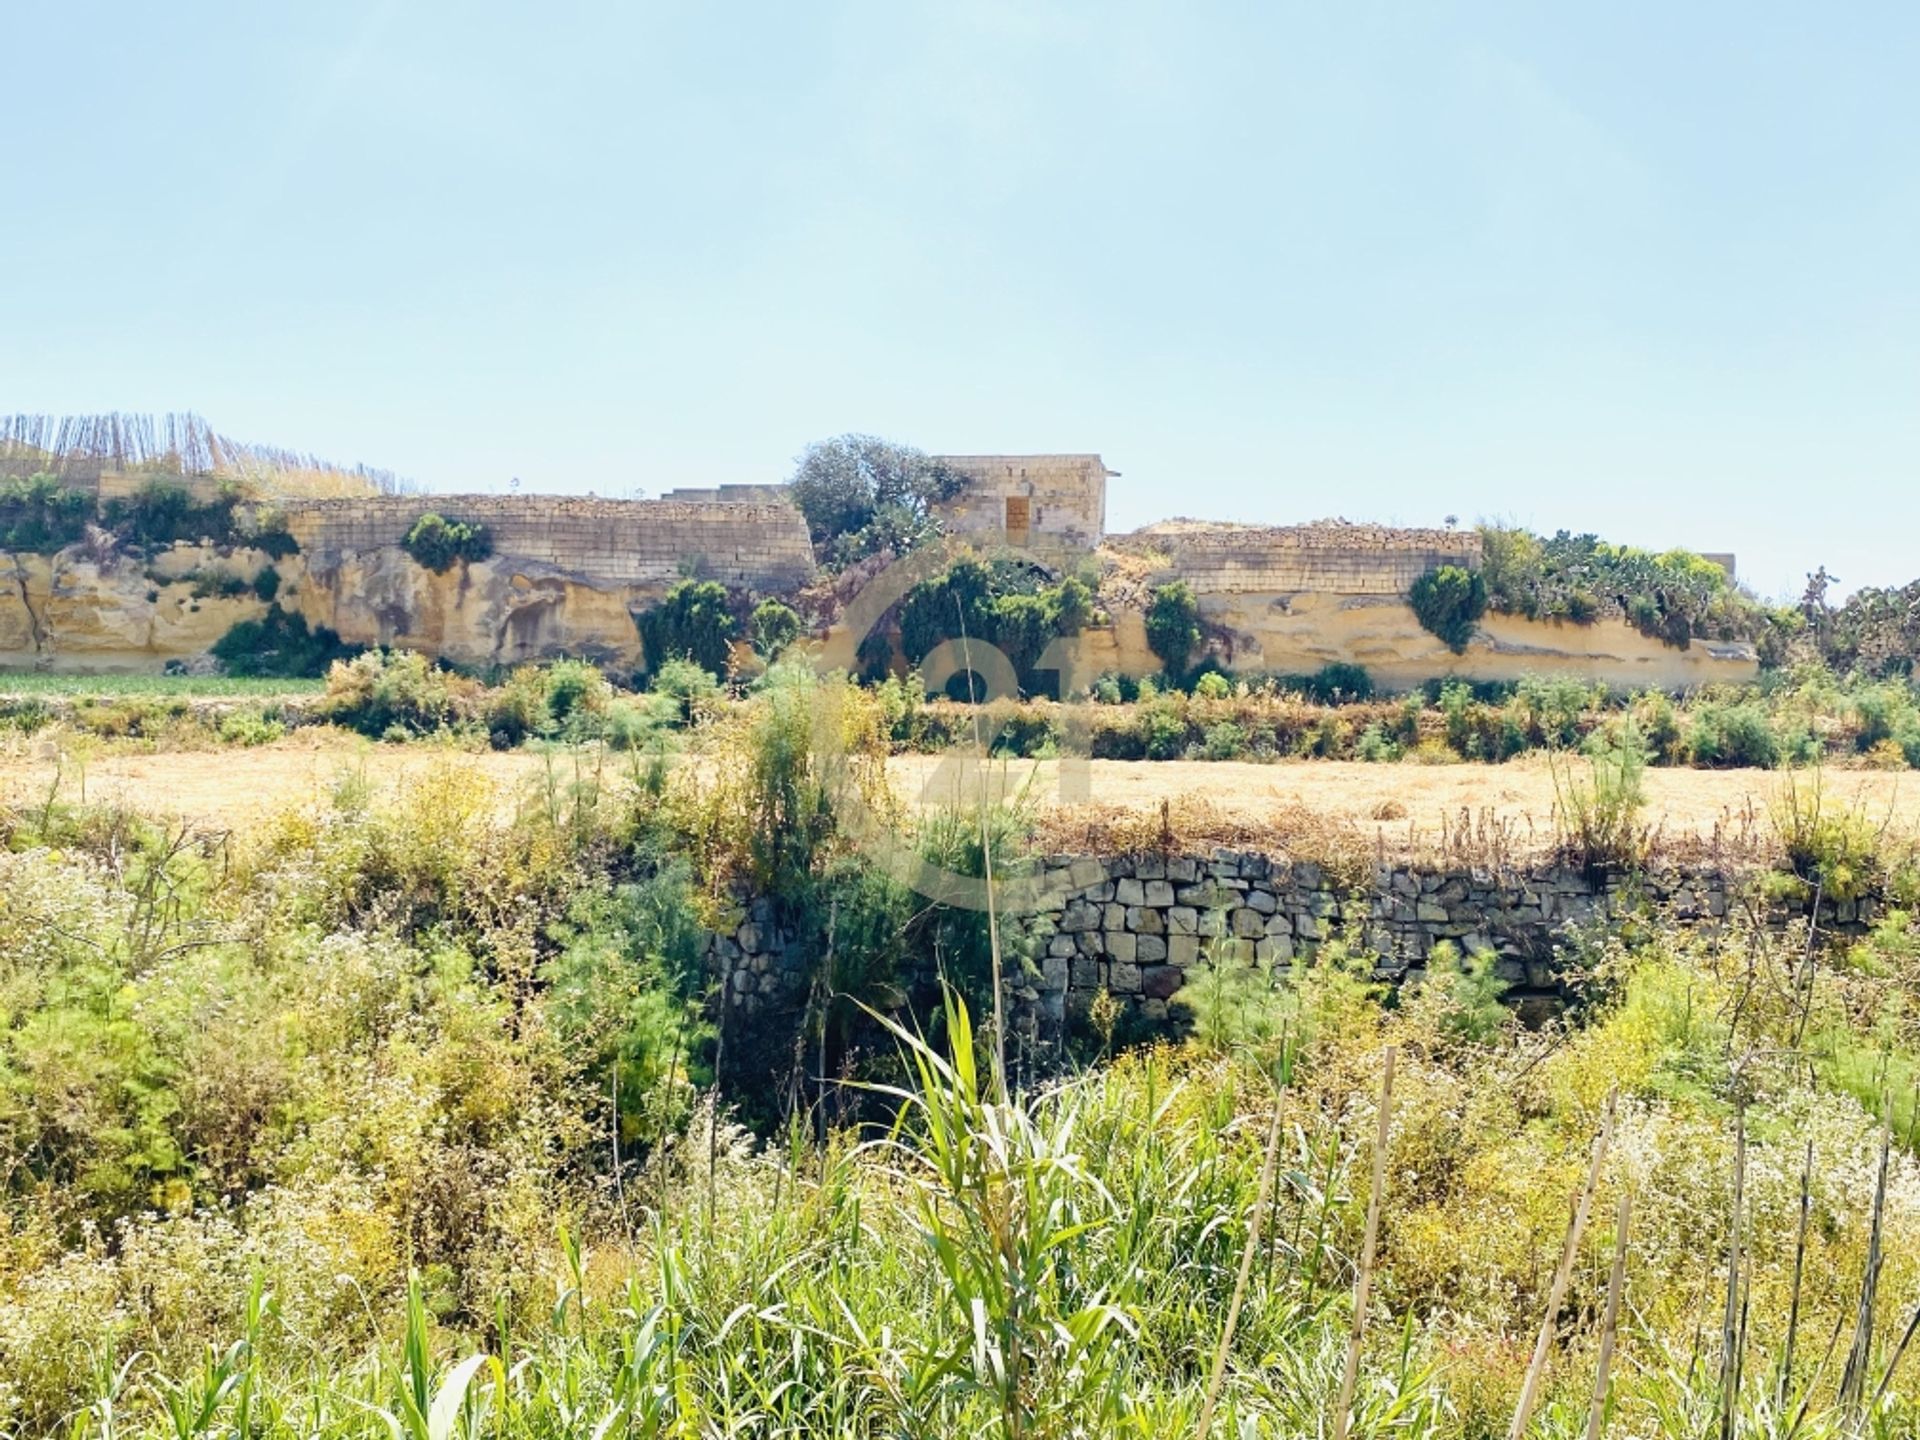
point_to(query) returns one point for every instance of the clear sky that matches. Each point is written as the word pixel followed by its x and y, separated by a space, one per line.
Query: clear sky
pixel 1646 269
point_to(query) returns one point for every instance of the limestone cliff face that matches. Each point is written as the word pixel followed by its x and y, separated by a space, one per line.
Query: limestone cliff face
pixel 70 612
pixel 1290 633
pixel 494 612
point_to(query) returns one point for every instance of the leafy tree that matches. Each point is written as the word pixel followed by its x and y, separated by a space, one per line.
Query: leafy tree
pixel 861 494
pixel 1173 625
pixel 1003 604
pixel 773 628
pixel 694 622
pixel 1449 601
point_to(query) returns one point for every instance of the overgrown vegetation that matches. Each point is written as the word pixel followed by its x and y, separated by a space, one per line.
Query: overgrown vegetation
pixel 1448 602
pixel 998 602
pixel 1173 626
pixel 280 644
pixel 862 495
pixel 695 621
pixel 436 542
pixel 1675 597
pixel 400 1117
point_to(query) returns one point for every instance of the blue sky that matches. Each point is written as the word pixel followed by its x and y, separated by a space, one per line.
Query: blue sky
pixel 1651 270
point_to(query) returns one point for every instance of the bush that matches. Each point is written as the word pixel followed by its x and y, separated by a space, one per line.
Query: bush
pixel 1173 625
pixel 1007 605
pixel 1224 741
pixel 1338 683
pixel 1449 602
pixel 688 686
pixel 163 512
pixel 435 542
pixel 280 645
pixel 773 628
pixel 694 622
pixel 1163 731
pixel 266 584
pixel 1728 735
pixel 1213 686
pixel 388 694
pixel 40 516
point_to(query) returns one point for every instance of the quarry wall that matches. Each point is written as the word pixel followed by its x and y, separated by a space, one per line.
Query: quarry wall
pixel 628 542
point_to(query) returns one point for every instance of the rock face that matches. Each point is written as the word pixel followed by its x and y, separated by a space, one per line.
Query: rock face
pixel 567 577
pixel 70 612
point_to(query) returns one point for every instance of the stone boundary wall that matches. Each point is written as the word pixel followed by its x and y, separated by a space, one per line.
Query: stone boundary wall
pixel 1328 559
pixel 1134 925
pixel 630 542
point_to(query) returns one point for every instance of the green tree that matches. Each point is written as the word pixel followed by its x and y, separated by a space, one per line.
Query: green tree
pixel 1173 625
pixel 695 622
pixel 861 494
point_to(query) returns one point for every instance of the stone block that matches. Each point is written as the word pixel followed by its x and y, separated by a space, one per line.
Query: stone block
pixel 1161 982
pixel 1145 922
pixel 1150 948
pixel 1121 945
pixel 1183 949
pixel 1086 872
pixel 1248 923
pixel 1183 920
pixel 1124 979
pixel 1130 892
pixel 1086 974
pixel 1159 893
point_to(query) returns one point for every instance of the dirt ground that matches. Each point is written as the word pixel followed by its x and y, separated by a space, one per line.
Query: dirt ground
pixel 231 787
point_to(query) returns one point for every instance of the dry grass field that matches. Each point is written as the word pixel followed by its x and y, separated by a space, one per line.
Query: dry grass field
pixel 232 786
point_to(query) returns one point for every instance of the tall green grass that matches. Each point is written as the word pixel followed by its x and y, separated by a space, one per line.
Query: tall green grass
pixel 19 682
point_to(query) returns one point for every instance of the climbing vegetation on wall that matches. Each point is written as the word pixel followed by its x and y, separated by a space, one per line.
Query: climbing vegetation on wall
pixel 436 542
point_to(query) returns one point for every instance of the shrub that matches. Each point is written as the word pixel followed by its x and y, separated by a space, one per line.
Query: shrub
pixel 163 512
pixel 1005 604
pixel 275 542
pixel 518 708
pixel 1333 684
pixel 1173 625
pixel 694 622
pixel 1163 731
pixel 1727 735
pixel 1224 741
pixel 435 542
pixel 1449 602
pixel 266 584
pixel 773 628
pixel 1213 686
pixel 1600 811
pixel 39 515
pixel 687 685
pixel 1374 746
pixel 280 645
pixel 388 694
